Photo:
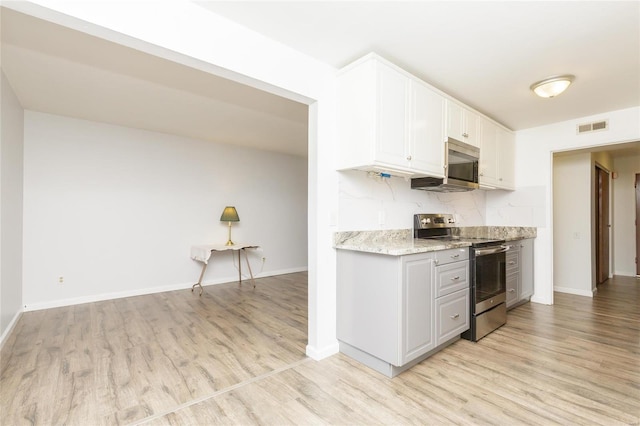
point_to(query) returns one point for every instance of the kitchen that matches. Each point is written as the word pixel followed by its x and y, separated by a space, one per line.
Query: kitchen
pixel 351 200
pixel 329 203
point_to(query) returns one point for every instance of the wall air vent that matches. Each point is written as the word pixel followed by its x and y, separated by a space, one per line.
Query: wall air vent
pixel 596 126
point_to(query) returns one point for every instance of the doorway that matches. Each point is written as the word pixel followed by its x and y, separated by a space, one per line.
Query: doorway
pixel 603 224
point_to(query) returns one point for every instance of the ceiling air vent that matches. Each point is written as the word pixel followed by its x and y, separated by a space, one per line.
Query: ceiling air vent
pixel 593 127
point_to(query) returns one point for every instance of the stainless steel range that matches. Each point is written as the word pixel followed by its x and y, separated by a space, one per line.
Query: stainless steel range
pixel 487 268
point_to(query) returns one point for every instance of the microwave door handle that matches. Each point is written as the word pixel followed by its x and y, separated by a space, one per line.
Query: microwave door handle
pixel 490 250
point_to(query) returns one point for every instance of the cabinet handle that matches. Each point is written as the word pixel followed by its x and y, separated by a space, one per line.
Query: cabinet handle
pixel 500 179
pixel 521 245
pixel 466 135
pixel 455 278
pixel 512 262
pixel 481 174
pixel 409 158
pixel 455 256
pixel 456 316
pixel 512 290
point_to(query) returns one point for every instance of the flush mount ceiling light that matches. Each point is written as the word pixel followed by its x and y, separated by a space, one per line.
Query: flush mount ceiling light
pixel 552 86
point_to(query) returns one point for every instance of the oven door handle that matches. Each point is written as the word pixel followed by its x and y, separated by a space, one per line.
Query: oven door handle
pixel 490 250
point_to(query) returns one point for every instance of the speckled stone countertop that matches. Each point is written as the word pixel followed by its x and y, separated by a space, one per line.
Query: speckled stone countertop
pixel 399 242
pixel 392 242
pixel 507 233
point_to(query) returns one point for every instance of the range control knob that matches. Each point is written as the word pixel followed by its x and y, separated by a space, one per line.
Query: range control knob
pixel 451 220
pixel 425 221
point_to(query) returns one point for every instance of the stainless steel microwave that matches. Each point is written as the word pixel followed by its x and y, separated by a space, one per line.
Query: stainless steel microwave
pixel 461 170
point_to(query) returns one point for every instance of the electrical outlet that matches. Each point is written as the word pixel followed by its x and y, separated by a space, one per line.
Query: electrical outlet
pixel 60 279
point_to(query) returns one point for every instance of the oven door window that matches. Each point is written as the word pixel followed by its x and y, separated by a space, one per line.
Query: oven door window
pixel 490 276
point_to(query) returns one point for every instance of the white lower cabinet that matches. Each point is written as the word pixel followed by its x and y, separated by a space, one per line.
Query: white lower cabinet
pixel 416 307
pixel 452 294
pixel 452 316
pixel 519 272
pixel 388 315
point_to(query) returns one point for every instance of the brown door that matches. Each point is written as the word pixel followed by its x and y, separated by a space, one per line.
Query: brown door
pixel 637 224
pixel 602 225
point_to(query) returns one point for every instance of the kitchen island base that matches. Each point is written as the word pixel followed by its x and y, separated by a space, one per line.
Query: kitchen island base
pixel 384 367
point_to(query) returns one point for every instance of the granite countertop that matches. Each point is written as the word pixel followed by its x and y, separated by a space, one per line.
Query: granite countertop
pixel 401 242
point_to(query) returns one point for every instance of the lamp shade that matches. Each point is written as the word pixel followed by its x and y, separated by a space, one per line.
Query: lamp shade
pixel 229 214
pixel 552 86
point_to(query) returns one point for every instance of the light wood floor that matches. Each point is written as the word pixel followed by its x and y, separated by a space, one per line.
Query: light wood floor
pixel 236 356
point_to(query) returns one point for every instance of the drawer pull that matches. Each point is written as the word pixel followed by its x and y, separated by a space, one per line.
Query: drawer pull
pixel 456 316
pixel 455 278
pixel 511 290
pixel 513 262
pixel 455 256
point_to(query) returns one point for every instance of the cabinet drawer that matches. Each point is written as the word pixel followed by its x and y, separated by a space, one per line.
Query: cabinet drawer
pixel 452 315
pixel 512 288
pixel 452 255
pixel 512 262
pixel 452 277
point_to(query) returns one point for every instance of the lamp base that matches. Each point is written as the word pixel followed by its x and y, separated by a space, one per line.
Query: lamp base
pixel 229 242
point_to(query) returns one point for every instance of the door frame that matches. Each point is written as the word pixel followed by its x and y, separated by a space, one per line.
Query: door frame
pixel 602 223
pixel 637 192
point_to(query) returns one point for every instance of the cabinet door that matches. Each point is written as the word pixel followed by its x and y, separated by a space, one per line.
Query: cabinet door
pixel 488 173
pixel 506 159
pixel 426 131
pixel 472 127
pixel 526 268
pixel 455 118
pixel 463 124
pixel 392 106
pixel 417 305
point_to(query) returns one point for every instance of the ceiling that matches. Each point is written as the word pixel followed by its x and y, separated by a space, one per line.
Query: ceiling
pixel 61 71
pixel 485 54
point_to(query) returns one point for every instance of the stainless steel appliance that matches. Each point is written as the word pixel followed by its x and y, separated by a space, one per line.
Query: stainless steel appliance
pixel 461 170
pixel 488 309
pixel 488 289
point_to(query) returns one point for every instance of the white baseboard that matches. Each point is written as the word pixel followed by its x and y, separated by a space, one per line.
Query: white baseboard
pixel 10 328
pixel 576 291
pixel 150 290
pixel 321 353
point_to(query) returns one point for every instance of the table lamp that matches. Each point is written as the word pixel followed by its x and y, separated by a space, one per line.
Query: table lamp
pixel 229 214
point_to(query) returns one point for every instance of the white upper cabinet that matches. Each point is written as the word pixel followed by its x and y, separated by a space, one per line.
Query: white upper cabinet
pixel 463 124
pixel 488 167
pixel 426 130
pixel 497 152
pixel 506 159
pixel 389 121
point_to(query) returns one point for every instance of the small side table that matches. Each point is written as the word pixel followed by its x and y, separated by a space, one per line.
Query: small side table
pixel 203 253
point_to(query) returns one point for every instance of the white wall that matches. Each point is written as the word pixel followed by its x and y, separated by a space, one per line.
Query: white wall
pixel 534 176
pixel 624 214
pixel 115 210
pixel 11 152
pixel 191 35
pixel 572 194
pixel 389 203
